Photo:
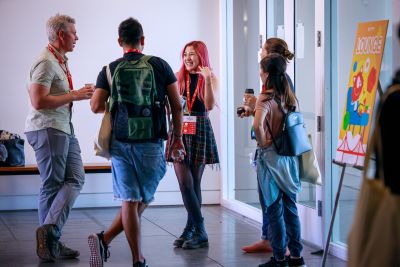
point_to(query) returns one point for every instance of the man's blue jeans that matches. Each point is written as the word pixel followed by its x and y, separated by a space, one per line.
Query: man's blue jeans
pixel 58 157
pixel 284 220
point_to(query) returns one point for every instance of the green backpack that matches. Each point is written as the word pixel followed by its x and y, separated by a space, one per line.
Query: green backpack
pixel 137 112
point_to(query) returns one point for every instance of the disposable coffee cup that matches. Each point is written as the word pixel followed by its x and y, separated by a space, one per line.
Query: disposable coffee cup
pixel 239 111
pixel 90 85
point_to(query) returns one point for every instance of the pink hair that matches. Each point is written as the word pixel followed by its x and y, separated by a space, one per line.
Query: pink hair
pixel 201 50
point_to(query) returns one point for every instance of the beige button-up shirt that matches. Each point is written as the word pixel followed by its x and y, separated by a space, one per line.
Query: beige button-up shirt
pixel 47 71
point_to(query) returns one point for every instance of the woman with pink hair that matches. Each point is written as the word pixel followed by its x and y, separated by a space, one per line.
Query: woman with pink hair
pixel 197 85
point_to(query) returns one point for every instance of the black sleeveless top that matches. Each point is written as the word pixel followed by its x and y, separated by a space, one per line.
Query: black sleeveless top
pixel 198 105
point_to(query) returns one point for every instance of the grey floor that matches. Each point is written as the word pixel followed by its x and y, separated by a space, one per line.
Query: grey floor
pixel 227 231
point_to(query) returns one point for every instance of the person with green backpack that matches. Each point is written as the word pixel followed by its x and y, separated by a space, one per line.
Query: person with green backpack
pixel 137 87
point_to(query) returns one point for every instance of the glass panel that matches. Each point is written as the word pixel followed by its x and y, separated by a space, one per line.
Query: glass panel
pixel 275 17
pixel 344 27
pixel 305 78
pixel 245 75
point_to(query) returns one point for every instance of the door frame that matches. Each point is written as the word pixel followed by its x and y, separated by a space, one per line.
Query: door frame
pixel 312 219
pixel 309 233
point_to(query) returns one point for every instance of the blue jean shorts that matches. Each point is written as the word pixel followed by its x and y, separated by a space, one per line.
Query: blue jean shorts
pixel 137 170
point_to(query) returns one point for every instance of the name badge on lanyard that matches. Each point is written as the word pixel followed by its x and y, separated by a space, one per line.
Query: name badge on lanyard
pixel 189 125
pixel 189 122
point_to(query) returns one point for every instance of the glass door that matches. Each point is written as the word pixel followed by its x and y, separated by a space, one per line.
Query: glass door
pixel 242 43
pixel 248 24
pixel 246 75
pixel 344 28
pixel 308 74
pixel 298 23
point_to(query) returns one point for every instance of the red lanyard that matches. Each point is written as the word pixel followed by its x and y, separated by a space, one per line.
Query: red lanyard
pixel 133 50
pixel 63 66
pixel 263 89
pixel 189 101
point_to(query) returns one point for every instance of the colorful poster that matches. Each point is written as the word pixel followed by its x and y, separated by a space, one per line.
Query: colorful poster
pixel 362 87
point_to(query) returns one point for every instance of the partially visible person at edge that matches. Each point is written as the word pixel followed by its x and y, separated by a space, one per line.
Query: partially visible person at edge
pixel 279 46
pixel 390 141
pixel 278 176
pixel 197 83
pixel 137 168
pixel 49 131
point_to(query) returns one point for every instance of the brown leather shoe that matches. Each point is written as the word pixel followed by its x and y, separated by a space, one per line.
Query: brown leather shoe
pixel 46 243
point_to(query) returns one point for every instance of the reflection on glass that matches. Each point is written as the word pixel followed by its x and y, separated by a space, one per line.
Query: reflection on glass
pixel 275 17
pixel 305 78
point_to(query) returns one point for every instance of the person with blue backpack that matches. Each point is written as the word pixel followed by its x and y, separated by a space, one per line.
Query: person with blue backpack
pixel 279 46
pixel 278 176
pixel 137 87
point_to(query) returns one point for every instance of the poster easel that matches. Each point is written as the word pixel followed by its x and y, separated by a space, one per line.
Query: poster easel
pixel 336 203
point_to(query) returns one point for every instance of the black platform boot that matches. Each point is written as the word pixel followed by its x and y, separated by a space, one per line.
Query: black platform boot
pixel 186 235
pixel 199 239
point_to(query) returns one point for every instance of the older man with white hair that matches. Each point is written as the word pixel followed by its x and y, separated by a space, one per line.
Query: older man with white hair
pixel 49 131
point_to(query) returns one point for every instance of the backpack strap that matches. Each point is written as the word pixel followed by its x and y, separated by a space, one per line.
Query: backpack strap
pixel 108 73
pixel 274 97
pixel 285 114
pixel 272 136
pixel 146 58
pixel 109 79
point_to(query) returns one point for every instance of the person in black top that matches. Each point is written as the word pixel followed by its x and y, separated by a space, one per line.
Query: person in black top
pixel 137 167
pixel 390 141
pixel 197 84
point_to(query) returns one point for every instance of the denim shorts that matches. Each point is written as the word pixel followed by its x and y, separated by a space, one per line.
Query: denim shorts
pixel 136 170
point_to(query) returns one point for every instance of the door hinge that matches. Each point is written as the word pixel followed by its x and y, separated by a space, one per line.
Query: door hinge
pixel 319 123
pixel 319 39
pixel 319 208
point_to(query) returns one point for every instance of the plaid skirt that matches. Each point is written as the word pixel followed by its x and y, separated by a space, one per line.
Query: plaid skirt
pixel 201 148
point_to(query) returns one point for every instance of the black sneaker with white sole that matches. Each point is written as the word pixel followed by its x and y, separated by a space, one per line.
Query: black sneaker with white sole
pixel 99 252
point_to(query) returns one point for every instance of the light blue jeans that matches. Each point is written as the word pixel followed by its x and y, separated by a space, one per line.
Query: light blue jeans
pixel 58 157
pixel 137 169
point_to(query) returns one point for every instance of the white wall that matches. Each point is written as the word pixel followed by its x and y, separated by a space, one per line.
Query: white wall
pixel 168 26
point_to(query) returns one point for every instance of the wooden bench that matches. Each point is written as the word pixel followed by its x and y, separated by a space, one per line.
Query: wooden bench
pixel 33 169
